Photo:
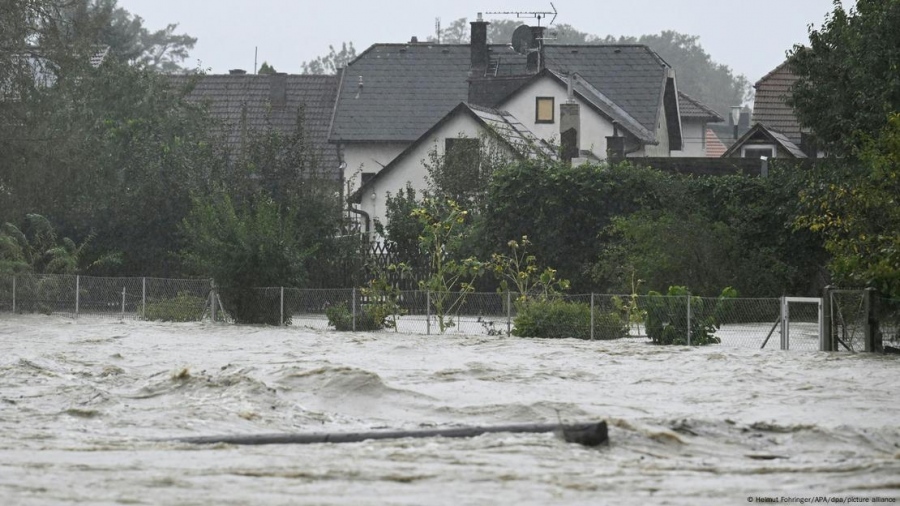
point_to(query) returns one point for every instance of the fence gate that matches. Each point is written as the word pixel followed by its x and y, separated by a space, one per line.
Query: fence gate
pixel 848 322
pixel 806 322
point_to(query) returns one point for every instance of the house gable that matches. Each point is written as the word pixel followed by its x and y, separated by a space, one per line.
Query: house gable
pixel 770 105
pixel 760 139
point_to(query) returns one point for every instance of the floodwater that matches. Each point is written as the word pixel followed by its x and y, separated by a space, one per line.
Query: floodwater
pixel 83 405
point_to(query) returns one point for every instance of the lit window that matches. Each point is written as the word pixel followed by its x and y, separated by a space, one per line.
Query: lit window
pixel 544 110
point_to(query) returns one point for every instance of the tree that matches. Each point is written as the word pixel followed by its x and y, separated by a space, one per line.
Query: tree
pixel 853 204
pixel 847 76
pixel 104 23
pixel 265 68
pixel 330 63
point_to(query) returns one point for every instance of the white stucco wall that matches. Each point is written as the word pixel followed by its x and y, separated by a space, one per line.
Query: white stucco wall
pixel 692 132
pixel 411 169
pixel 368 157
pixel 662 135
pixel 594 127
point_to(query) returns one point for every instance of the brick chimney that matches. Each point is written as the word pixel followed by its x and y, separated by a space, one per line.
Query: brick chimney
pixel 535 61
pixel 478 46
pixel 570 125
pixel 278 89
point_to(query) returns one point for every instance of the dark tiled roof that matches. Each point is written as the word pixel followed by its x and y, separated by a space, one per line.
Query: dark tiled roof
pixel 693 108
pixel 760 130
pixel 770 107
pixel 406 88
pixel 244 102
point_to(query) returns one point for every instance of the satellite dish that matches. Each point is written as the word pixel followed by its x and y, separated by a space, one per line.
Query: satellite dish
pixel 522 39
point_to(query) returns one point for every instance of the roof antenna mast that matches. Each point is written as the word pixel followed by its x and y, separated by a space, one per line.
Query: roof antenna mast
pixel 539 15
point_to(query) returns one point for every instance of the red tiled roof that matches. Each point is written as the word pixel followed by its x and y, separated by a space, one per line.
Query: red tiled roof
pixel 714 147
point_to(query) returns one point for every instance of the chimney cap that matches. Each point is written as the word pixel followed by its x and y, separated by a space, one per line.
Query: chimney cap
pixel 237 72
pixel 414 40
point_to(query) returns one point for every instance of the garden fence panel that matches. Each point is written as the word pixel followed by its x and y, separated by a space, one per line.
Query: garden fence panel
pixel 101 297
pixel 41 293
pixel 308 307
pixel 887 313
pixel 181 300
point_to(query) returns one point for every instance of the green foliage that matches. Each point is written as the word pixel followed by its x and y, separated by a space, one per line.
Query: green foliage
pixel 37 249
pixel 667 317
pixel 331 62
pixel 518 271
pixel 256 243
pixel 265 69
pixel 853 205
pixel 182 308
pixel 450 281
pixel 556 318
pixel 341 319
pixel 463 170
pixel 565 211
pixel 403 228
pixel 847 75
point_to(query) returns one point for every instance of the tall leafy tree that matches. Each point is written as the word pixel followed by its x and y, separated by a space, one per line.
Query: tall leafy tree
pixel 848 75
pixel 331 62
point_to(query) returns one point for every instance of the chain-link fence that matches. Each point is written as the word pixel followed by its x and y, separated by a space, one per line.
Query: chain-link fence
pixel 680 320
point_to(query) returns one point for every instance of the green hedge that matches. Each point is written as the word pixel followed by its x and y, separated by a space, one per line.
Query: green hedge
pixel 561 319
pixel 341 319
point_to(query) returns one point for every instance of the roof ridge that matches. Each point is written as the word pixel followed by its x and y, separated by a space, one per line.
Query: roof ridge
pixel 772 72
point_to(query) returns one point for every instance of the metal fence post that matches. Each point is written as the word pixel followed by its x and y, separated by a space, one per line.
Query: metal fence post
pixel 213 297
pixel 353 307
pixel 428 312
pixel 14 295
pixel 689 319
pixel 282 306
pixel 785 315
pixel 592 316
pixel 825 341
pixel 870 326
pixel 143 298
pixel 123 304
pixel 508 313
pixel 77 293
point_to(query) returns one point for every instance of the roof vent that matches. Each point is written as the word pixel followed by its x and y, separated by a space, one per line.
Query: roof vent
pixel 237 72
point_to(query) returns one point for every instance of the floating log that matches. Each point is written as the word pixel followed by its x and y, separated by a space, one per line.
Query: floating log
pixel 587 434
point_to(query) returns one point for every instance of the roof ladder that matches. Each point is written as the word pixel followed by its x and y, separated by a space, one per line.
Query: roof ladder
pixel 493 67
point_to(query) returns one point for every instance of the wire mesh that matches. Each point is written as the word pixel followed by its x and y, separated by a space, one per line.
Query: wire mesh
pixel 177 300
pixel 750 323
pixel 40 293
pixel 887 314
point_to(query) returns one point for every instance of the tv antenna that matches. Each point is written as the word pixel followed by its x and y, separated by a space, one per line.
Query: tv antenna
pixel 539 15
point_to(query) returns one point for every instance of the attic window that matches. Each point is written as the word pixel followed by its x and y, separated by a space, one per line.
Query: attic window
pixel 543 111
pixel 758 151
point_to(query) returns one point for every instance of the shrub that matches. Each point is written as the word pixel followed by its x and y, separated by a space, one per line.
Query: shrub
pixel 667 321
pixel 182 308
pixel 341 319
pixel 556 318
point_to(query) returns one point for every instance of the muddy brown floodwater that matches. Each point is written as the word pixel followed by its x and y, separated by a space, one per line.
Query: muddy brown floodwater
pixel 83 403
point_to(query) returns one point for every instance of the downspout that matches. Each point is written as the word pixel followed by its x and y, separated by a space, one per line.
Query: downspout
pixel 365 215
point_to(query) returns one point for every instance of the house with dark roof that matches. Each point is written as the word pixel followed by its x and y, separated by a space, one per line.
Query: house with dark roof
pixel 465 130
pixel 776 131
pixel 590 102
pixel 695 118
pixel 245 104
pixel 392 94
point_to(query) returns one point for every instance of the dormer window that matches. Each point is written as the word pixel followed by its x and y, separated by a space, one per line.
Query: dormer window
pixel 544 110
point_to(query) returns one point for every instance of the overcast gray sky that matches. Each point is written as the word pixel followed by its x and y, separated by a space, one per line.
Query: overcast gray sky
pixel 750 36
